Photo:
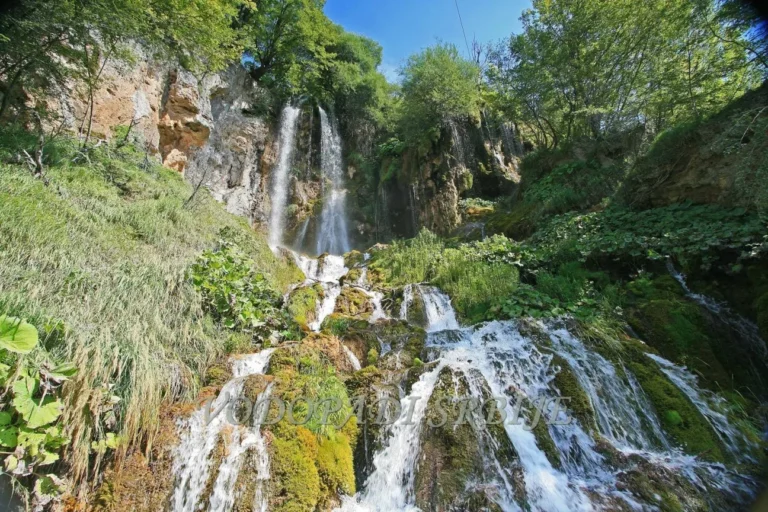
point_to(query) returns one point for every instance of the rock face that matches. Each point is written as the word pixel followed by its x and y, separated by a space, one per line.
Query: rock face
pixel 721 160
pixel 468 160
pixel 204 128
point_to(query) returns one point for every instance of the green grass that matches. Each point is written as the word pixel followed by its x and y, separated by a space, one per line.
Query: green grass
pixel 468 273
pixel 104 249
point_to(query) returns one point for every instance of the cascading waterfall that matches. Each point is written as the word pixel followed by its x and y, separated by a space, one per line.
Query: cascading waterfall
pixel 747 330
pixel 333 237
pixel 498 356
pixel 289 121
pixel 711 406
pixel 199 437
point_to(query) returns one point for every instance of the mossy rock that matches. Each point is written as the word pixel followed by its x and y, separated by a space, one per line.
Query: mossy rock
pixel 353 258
pixel 335 467
pixel 568 386
pixel 295 482
pixel 217 375
pixel 679 417
pixel 356 334
pixel 354 302
pixel 688 334
pixel 452 464
pixel 302 304
pixel 352 277
pixel 400 335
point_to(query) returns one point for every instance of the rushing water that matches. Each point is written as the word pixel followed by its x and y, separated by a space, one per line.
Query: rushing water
pixel 333 236
pixel 748 331
pixel 200 435
pixel 279 197
pixel 497 357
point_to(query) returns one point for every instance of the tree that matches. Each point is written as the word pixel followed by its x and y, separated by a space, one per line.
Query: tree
pixel 278 32
pixel 591 67
pixel 438 85
pixel 45 43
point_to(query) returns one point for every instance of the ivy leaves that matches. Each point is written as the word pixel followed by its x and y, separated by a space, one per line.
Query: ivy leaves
pixel 238 296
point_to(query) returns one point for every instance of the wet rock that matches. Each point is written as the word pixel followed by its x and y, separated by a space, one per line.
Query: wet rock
pixel 302 304
pixel 354 302
pixel 460 454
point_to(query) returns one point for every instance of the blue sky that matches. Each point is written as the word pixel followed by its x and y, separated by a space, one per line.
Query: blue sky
pixel 404 27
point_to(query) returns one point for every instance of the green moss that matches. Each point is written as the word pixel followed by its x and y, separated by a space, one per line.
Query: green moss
pixel 353 258
pixel 335 467
pixel 372 357
pixel 568 385
pixel 679 417
pixel 295 482
pixel 302 304
pixel 217 375
pixel 354 302
pixel 545 443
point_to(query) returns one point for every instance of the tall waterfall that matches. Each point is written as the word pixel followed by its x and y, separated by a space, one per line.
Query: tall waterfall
pixel 333 236
pixel 288 123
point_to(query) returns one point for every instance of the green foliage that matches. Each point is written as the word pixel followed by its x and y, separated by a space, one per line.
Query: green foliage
pixel 694 234
pixel 471 274
pixel 438 85
pixel 595 68
pixel 104 250
pixel 574 186
pixel 571 289
pixel 31 433
pixel 44 47
pixel 238 295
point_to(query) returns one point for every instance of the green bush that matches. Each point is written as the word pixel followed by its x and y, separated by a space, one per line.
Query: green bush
pixel 238 295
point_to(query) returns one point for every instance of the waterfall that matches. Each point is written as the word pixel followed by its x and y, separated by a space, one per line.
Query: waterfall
pixel 748 331
pixel 333 236
pixel 199 438
pixel 288 124
pixel 711 406
pixel 621 411
pixel 390 487
pixel 498 358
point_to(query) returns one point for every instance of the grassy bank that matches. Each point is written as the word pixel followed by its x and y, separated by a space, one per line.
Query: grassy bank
pixel 97 260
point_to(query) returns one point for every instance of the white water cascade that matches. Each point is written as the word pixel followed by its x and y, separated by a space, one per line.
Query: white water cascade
pixel 496 356
pixel 289 121
pixel 748 331
pixel 333 236
pixel 711 406
pixel 199 438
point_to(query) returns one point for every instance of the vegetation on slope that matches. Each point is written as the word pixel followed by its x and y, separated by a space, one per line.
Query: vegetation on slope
pixel 98 261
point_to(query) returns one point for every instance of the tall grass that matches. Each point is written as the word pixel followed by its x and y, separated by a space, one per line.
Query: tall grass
pixel 466 273
pixel 104 250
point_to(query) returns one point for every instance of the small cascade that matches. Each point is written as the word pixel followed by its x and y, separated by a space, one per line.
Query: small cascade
pixel 748 331
pixel 497 358
pixel 621 411
pixel 390 487
pixel 289 121
pixel 459 152
pixel 333 237
pixel 438 310
pixel 199 437
pixel 354 361
pixel 326 271
pixel 711 406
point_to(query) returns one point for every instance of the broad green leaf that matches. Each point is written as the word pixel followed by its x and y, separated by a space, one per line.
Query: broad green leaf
pixel 5 418
pixel 9 436
pixel 36 412
pixel 17 335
